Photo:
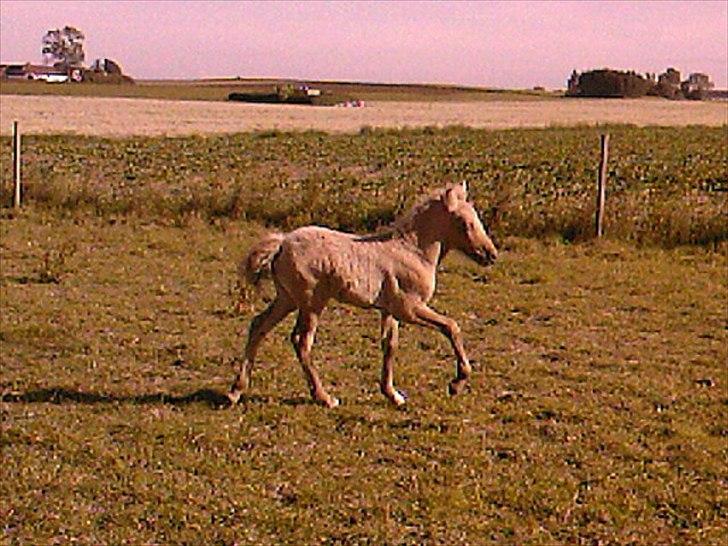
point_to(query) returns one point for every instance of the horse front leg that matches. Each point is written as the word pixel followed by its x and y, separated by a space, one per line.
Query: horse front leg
pixel 302 338
pixel 259 328
pixel 449 328
pixel 390 342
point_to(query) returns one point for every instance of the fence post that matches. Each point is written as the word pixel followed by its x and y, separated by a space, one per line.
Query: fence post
pixel 602 183
pixel 16 164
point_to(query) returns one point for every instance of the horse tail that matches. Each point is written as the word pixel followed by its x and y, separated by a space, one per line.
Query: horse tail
pixel 258 263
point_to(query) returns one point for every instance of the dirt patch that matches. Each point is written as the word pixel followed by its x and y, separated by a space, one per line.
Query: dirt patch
pixel 124 117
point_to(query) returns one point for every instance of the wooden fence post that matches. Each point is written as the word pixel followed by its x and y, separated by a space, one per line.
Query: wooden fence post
pixel 602 183
pixel 16 164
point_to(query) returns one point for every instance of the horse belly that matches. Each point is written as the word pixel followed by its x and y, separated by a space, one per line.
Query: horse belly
pixel 357 281
pixel 354 293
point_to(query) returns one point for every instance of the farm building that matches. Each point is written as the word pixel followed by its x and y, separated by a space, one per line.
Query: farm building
pixel 106 65
pixel 50 74
pixel 696 86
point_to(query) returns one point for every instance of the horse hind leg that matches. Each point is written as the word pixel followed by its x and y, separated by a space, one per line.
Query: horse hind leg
pixel 390 342
pixel 259 328
pixel 302 339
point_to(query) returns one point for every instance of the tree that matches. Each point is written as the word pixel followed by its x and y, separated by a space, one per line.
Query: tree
pixel 610 83
pixel 64 47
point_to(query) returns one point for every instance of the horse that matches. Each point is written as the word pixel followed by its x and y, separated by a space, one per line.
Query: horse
pixel 393 272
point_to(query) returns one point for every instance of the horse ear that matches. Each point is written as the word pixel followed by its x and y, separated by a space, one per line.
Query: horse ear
pixel 453 197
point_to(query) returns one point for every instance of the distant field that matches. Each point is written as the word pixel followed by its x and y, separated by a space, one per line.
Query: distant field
pixel 123 116
pixel 219 89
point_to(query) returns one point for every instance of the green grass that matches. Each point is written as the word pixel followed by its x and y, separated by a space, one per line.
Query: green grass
pixel 217 90
pixel 667 186
pixel 596 414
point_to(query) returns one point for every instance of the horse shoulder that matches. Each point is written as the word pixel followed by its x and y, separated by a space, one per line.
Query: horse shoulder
pixel 412 274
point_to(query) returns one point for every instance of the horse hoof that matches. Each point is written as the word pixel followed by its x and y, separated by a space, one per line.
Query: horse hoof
pixel 330 402
pixel 397 399
pixel 456 387
pixel 234 396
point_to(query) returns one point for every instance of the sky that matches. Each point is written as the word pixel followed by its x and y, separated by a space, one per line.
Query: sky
pixel 508 44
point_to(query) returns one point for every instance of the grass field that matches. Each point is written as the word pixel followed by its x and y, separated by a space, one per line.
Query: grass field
pixel 666 186
pixel 596 414
pixel 598 406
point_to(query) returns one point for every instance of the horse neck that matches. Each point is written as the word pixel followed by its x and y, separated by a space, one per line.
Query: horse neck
pixel 426 232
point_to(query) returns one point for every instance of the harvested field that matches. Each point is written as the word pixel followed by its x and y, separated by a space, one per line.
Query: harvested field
pixel 124 117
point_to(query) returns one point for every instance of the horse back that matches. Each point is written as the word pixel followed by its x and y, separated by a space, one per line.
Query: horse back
pixel 317 264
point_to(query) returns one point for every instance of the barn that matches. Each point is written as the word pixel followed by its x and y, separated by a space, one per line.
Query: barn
pixel 28 71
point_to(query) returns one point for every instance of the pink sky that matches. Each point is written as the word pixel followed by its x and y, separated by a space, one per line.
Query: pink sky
pixel 494 44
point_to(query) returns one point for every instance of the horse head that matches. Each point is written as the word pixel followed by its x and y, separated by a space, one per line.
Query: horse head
pixel 466 232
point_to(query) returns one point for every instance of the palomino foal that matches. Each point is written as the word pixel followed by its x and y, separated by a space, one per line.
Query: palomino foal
pixel 394 273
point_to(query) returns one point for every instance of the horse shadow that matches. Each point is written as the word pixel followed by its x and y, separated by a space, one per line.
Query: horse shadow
pixel 61 395
pixel 209 397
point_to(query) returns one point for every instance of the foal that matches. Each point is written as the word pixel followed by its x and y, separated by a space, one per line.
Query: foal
pixel 394 273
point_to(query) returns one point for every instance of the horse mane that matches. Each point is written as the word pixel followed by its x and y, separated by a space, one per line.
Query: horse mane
pixel 404 223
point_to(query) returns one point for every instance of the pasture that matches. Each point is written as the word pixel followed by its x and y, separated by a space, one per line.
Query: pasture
pixel 596 413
